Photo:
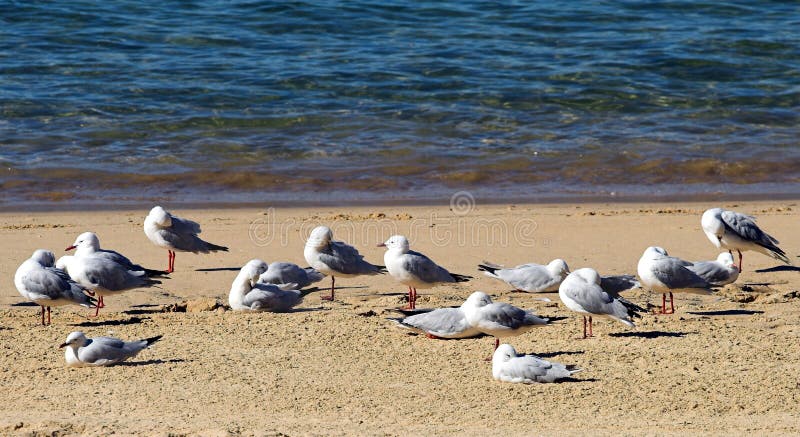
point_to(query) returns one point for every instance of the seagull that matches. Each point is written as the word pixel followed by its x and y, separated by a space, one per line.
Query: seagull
pixel 449 323
pixel 582 291
pixel 37 280
pixel 507 366
pixel 248 295
pixel 735 231
pixel 498 319
pixel 665 274
pixel 103 277
pixel 414 269
pixel 175 234
pixel 288 273
pixel 101 351
pixel 87 244
pixel 336 258
pixel 533 278
pixel 722 271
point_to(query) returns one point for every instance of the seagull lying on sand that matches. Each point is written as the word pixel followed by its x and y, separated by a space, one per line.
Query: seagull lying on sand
pixel 247 294
pixel 450 323
pixel 666 274
pixel 176 234
pixel 498 319
pixel 533 278
pixel 720 272
pixel 87 244
pixel 507 366
pixel 582 291
pixel 735 231
pixel 38 281
pixel 101 351
pixel 288 273
pixel 414 269
pixel 335 258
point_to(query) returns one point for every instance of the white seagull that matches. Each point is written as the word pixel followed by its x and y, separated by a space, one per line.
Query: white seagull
pixel 720 272
pixel 582 291
pixel 507 366
pixel 88 244
pixel 533 278
pixel 735 231
pixel 176 234
pixel 248 295
pixel 101 351
pixel 335 258
pixel 414 269
pixel 666 274
pixel 498 319
pixel 449 323
pixel 103 277
pixel 38 281
pixel 289 273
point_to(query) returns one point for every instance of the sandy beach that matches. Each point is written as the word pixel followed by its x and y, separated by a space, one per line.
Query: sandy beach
pixel 723 364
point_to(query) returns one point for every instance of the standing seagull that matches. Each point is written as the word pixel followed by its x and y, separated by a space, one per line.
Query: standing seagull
pixel 248 295
pixel 498 319
pixel 175 234
pixel 37 280
pixel 735 231
pixel 101 351
pixel 582 292
pixel 87 244
pixel 533 278
pixel 666 274
pixel 414 269
pixel 288 273
pixel 336 258
pixel 103 277
pixel 507 366
pixel 721 272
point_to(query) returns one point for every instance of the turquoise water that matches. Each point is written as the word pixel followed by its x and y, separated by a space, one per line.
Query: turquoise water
pixel 218 101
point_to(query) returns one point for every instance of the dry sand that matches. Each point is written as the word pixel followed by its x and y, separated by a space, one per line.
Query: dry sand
pixel 722 364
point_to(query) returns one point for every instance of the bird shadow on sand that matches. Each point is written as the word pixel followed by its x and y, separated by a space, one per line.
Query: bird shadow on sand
pixel 149 362
pixel 649 334
pixel 144 309
pixel 726 313
pixel 131 321
pixel 220 269
pixel 780 268
pixel 24 304
pixel 558 353
pixel 574 380
pixel 552 319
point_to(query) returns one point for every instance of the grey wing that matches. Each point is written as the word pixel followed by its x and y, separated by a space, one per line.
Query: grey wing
pixel 614 285
pixel 508 316
pixel 184 226
pixel 344 258
pixel 425 269
pixel 711 271
pixel 590 296
pixel 442 322
pixel 113 276
pixel 107 350
pixel 537 369
pixel 119 259
pixel 46 283
pixel 285 273
pixel 528 277
pixel 674 274
pixel 268 297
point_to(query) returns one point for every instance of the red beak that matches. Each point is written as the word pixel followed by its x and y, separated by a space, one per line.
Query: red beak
pixel 382 245
pixel 63 345
pixel 69 248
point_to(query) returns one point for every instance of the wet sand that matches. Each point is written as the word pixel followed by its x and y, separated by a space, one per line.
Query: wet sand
pixel 722 364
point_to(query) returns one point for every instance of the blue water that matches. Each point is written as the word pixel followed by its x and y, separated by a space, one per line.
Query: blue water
pixel 260 101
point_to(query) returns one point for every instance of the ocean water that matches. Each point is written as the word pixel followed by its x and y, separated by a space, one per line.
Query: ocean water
pixel 250 101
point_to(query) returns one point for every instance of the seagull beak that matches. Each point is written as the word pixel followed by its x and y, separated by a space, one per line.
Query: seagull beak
pixel 381 245
pixel 63 345
pixel 69 248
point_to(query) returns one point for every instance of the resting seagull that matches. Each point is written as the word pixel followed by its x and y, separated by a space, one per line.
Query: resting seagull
pixel 88 244
pixel 735 231
pixel 289 273
pixel 335 258
pixel 38 281
pixel 666 274
pixel 582 291
pixel 533 278
pixel 448 323
pixel 176 234
pixel 722 271
pixel 248 295
pixel 498 319
pixel 414 269
pixel 507 366
pixel 101 351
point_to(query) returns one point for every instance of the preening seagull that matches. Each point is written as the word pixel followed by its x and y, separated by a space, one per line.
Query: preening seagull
pixel 176 234
pixel 666 274
pixel 247 294
pixel 736 231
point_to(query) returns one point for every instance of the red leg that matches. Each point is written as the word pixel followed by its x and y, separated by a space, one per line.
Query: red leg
pixel 410 306
pixel 584 326
pixel 663 303
pixel 48 315
pixel 671 303
pixel 171 257
pixel 413 298
pixel 333 282
pixel 42 315
pixel 590 327
pixel 740 259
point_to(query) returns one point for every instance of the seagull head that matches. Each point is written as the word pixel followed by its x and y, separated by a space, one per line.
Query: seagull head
pixel 74 339
pixel 320 237
pixel 587 274
pixel 477 299
pixel 726 259
pixel 558 266
pixel 503 353
pixel 396 242
pixel 159 216
pixel 253 270
pixel 654 252
pixel 713 225
pixel 44 257
pixel 87 240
